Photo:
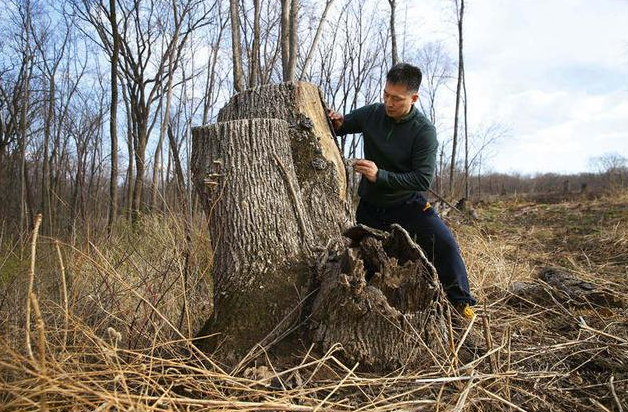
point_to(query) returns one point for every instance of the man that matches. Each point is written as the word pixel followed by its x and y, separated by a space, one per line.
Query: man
pixel 400 155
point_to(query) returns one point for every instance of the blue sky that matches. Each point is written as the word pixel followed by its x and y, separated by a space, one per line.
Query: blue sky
pixel 554 71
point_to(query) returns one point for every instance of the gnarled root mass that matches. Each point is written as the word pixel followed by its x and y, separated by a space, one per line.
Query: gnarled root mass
pixel 381 299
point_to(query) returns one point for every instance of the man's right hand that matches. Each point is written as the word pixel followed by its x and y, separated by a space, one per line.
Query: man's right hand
pixel 336 119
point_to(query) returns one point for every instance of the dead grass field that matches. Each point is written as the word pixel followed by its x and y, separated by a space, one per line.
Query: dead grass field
pixel 534 345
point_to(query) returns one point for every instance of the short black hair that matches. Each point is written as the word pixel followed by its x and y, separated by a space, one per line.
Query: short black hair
pixel 406 74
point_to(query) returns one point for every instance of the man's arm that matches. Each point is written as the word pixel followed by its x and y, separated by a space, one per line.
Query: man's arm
pixel 349 123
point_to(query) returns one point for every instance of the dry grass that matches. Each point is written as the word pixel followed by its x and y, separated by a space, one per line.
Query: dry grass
pixel 117 344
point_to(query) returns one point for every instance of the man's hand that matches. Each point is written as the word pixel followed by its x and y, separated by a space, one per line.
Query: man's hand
pixel 367 168
pixel 336 119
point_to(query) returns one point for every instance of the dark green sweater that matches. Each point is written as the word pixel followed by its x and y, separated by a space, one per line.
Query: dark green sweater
pixel 404 152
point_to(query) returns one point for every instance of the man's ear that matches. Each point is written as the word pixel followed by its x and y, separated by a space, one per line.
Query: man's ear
pixel 415 97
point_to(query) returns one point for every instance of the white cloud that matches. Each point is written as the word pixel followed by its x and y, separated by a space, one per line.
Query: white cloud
pixel 555 72
pixel 548 32
pixel 597 125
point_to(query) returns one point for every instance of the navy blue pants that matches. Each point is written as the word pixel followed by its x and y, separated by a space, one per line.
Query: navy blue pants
pixel 430 232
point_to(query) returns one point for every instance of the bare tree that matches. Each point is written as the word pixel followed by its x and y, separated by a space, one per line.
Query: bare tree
pixel 613 167
pixel 68 104
pixel 317 36
pixel 294 38
pixel 289 38
pixel 49 62
pixel 393 36
pixel 254 60
pixel 609 162
pixel 271 44
pixel 83 128
pixel 210 96
pixel 27 66
pixel 15 84
pixel 466 136
pixel 437 68
pixel 9 113
pixel 144 70
pixel 113 116
pixel 459 6
pixel 236 46
pixel 158 163
pixel 485 138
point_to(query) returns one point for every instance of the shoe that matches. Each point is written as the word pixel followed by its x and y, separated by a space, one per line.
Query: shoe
pixel 464 310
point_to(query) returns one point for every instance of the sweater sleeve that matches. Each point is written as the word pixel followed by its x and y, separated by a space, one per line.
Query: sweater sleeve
pixel 423 163
pixel 354 121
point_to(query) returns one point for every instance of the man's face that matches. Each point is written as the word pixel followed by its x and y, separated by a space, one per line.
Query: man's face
pixel 398 100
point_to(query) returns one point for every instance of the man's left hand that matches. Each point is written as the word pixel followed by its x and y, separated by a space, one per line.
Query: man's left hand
pixel 367 168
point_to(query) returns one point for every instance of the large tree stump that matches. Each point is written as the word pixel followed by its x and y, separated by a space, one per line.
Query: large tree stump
pixel 272 180
pixel 260 231
pixel 317 159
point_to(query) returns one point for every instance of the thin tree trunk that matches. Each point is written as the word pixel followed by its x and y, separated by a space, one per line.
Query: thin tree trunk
pixel 92 211
pixel 23 113
pixel 211 80
pixel 157 168
pixel 157 162
pixel 393 35
pixel 319 31
pixel 211 72
pixel 45 174
pixel 130 150
pixel 285 39
pixel 441 168
pixel 466 136
pixel 294 39
pixel 140 167
pixel 113 119
pixel 479 194
pixel 180 177
pixel 254 60
pixel 181 194
pixel 236 47
pixel 454 144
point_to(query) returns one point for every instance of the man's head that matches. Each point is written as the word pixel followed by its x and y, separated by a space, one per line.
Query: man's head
pixel 402 89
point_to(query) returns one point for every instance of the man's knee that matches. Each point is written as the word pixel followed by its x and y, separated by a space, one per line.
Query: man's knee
pixel 445 244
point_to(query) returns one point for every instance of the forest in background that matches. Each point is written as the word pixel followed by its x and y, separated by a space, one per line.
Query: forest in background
pixel 98 98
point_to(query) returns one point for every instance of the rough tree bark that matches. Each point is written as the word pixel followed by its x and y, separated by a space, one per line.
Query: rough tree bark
pixel 273 183
pixel 260 231
pixel 318 162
